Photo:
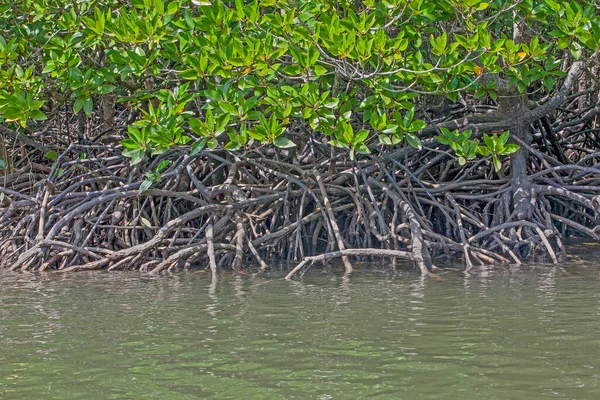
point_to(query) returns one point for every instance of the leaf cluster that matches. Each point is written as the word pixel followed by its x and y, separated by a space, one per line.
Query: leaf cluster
pixel 243 74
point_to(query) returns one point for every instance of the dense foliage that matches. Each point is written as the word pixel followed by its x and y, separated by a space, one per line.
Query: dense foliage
pixel 243 74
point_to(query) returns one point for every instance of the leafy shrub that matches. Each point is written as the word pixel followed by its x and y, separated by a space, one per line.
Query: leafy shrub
pixel 243 74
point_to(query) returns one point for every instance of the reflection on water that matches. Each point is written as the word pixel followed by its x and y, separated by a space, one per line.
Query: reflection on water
pixel 518 332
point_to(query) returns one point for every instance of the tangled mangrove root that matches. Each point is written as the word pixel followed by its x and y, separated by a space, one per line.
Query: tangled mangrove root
pixel 222 210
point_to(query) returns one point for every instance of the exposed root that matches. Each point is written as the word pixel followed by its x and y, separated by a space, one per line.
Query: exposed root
pixel 219 209
pixel 350 252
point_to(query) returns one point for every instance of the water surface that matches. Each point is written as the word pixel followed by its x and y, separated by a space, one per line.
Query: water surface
pixel 505 332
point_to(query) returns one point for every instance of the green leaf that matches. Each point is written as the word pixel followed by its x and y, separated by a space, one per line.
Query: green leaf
pixel 50 66
pixel 390 129
pixel 406 121
pixel 136 156
pixel 319 70
pixel 257 134
pixel 362 148
pixel 233 145
pixel 51 155
pixel 503 138
pixel 417 125
pixel 130 144
pixel 173 7
pixel 489 141
pixel 106 89
pixel 383 139
pixel 510 148
pixel 135 134
pixel 212 143
pixel 555 6
pixel 293 70
pixel 162 165
pixel 11 113
pixel 37 115
pixel 198 146
pixel 88 106
pixel 78 105
pixel 331 103
pixel 159 6
pixel 189 74
pixel 414 141
pixel 361 136
pixel 283 142
pixel 497 163
pixel 228 108
pixel 484 151
pixel 145 186
pixel 337 143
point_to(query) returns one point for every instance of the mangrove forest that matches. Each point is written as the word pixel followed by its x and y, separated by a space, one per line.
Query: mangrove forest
pixel 161 136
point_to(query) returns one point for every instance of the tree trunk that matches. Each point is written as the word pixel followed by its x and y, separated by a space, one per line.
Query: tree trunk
pixel 521 186
pixel 5 160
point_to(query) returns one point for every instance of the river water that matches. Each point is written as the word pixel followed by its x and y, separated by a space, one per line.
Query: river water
pixel 528 332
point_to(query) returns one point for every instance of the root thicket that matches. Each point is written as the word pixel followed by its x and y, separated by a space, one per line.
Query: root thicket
pixel 223 210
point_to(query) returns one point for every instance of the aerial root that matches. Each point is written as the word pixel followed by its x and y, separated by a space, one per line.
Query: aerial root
pixel 227 211
pixel 308 261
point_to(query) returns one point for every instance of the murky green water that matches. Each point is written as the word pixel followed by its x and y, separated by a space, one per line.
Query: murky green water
pixel 505 333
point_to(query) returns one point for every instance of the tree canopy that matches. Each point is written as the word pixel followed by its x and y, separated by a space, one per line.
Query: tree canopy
pixel 245 74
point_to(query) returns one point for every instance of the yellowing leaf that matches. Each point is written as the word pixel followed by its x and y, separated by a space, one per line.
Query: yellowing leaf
pixel 478 70
pixel 521 54
pixel 146 222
